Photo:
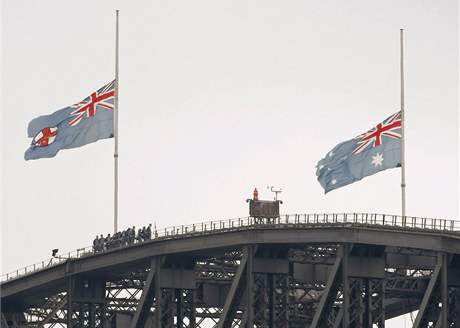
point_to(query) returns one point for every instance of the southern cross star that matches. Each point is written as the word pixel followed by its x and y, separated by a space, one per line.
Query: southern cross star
pixel 377 160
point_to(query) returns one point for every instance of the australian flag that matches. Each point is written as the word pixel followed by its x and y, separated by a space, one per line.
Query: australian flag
pixel 376 150
pixel 87 121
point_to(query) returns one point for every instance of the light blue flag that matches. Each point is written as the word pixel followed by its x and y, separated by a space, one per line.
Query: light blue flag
pixel 87 121
pixel 371 152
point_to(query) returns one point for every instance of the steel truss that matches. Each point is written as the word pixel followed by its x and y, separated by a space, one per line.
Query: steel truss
pixel 264 286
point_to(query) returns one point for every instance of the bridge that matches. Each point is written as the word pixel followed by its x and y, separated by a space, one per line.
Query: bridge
pixel 301 270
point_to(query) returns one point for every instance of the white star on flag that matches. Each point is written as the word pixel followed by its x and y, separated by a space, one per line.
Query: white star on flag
pixel 377 159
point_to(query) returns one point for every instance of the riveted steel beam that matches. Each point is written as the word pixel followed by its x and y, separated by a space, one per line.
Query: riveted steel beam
pixel 50 316
pixel 158 294
pixel 250 286
pixel 444 291
pixel 329 293
pixel 234 293
pixel 4 322
pixel 70 283
pixel 427 297
pixel 146 300
pixel 345 287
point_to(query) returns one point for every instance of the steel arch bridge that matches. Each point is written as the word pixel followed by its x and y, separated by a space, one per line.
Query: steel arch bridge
pixel 319 270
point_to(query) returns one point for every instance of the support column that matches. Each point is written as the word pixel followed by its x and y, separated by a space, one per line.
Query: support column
pixel 444 291
pixel 99 316
pixel 454 303
pixel 91 316
pixel 167 308
pixel 188 308
pixel 345 287
pixel 281 300
pixel 193 310
pixel 377 288
pixel 356 305
pixel 261 302
pixel 271 301
pixel 368 303
pixel 81 314
pixel 158 294
pixel 70 282
pixel 179 308
pixel 250 287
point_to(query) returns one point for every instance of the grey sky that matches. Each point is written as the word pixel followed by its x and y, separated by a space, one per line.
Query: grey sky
pixel 216 98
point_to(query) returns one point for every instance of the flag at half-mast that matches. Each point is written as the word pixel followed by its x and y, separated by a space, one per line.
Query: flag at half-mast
pixel 85 122
pixel 376 150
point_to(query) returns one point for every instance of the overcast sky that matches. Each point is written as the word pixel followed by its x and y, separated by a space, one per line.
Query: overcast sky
pixel 216 98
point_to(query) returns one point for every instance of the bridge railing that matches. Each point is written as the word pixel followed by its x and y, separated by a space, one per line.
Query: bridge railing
pixel 313 219
pixel 53 261
pixel 282 222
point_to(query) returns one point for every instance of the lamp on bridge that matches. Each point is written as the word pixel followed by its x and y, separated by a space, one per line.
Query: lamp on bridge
pixel 54 252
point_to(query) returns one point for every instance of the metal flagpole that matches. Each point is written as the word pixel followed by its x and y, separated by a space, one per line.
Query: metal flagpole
pixel 115 135
pixel 403 166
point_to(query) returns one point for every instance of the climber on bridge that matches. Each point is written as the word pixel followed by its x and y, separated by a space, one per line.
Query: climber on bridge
pixel 123 238
pixel 148 232
pixel 132 235
pixel 96 243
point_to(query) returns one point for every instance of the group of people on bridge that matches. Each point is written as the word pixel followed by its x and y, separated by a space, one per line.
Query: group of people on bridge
pixel 122 238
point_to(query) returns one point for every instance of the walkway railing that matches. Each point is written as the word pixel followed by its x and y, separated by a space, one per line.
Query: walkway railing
pixel 284 221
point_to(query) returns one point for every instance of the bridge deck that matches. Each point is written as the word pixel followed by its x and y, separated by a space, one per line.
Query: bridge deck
pixel 285 221
pixel 373 229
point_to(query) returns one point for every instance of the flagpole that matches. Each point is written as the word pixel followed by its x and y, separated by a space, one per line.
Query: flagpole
pixel 403 140
pixel 115 134
pixel 403 166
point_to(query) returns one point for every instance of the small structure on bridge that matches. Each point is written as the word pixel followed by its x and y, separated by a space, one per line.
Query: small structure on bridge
pixel 264 209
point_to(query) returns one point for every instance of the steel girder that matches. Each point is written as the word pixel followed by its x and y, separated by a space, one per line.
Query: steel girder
pixel 4 322
pixel 146 300
pixel 235 294
pixel 233 291
pixel 439 306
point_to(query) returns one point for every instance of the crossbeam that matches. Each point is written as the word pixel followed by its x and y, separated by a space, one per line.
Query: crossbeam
pixel 50 316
